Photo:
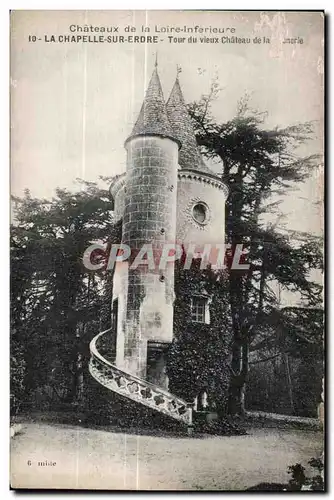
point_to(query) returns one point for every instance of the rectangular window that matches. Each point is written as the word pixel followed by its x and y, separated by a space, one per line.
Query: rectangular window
pixel 198 309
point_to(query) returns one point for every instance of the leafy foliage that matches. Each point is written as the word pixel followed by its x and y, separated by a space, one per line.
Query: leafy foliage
pixel 256 163
pixel 55 302
pixel 199 356
pixel 299 480
pixel 286 363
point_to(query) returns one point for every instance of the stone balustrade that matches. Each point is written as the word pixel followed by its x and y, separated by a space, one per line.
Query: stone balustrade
pixel 135 388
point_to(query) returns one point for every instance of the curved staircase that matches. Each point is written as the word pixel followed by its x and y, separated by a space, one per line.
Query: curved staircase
pixel 136 389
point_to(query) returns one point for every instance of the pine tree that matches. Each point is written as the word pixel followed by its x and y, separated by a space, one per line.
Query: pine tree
pixel 56 302
pixel 257 163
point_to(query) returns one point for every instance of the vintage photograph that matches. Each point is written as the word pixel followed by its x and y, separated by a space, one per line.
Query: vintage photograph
pixel 166 244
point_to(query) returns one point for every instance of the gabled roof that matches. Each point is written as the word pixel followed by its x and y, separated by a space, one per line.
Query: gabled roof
pixel 153 119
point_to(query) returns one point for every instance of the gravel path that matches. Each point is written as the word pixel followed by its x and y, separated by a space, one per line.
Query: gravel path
pixel 100 459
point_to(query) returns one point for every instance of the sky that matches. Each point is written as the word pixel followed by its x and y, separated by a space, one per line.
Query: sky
pixel 74 104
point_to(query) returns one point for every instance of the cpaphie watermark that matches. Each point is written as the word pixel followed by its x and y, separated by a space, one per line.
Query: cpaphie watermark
pixel 158 257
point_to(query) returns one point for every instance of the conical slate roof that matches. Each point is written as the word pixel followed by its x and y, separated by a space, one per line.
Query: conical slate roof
pixel 152 119
pixel 189 154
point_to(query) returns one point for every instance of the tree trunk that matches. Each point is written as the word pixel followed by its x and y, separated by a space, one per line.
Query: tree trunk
pixel 289 382
pixel 235 398
pixel 238 380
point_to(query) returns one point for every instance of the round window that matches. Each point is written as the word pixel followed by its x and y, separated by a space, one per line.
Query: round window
pixel 200 213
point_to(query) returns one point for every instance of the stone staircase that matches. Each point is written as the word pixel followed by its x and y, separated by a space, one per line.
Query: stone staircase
pixel 136 389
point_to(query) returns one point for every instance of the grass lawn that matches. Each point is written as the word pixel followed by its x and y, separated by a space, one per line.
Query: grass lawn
pixel 105 459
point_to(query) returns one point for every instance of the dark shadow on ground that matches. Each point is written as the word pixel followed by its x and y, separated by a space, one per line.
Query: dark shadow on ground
pixel 73 419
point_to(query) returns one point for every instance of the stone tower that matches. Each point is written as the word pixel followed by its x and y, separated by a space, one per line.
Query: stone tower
pixel 145 309
pixel 166 195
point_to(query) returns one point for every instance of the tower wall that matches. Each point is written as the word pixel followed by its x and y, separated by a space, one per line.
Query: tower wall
pixel 119 201
pixel 146 295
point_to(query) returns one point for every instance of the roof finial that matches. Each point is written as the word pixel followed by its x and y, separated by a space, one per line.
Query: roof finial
pixel 156 59
pixel 178 71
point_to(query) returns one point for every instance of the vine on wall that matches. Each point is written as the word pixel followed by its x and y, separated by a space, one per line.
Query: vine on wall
pixel 198 359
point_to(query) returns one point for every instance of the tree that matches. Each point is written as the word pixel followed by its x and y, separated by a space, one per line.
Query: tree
pixel 55 301
pixel 286 363
pixel 257 163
